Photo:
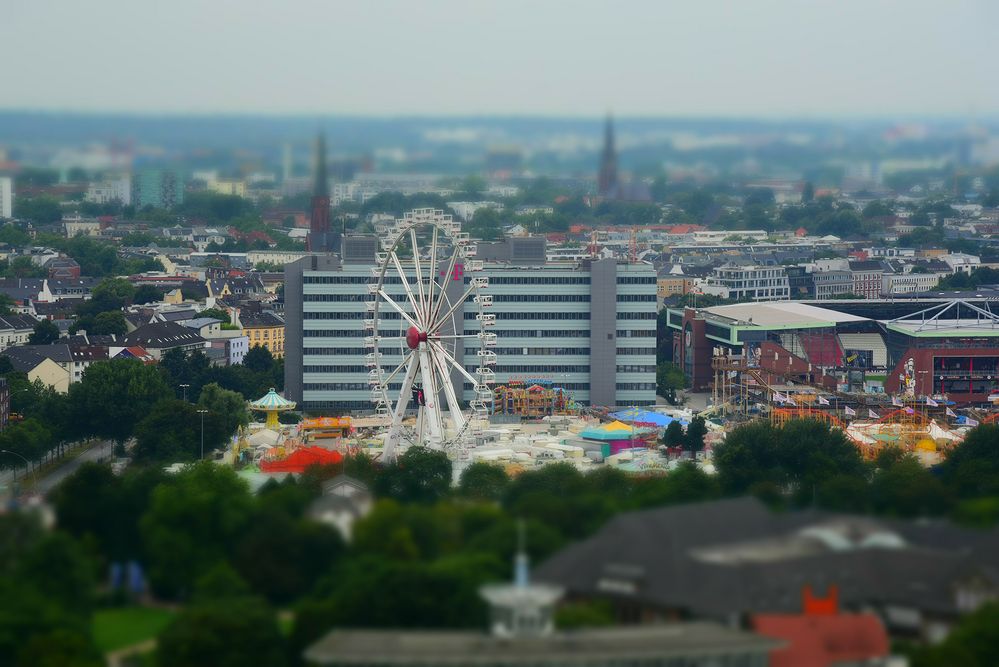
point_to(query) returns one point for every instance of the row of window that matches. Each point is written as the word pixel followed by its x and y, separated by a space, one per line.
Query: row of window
pixel 354 298
pixel 328 368
pixel 543 298
pixel 353 315
pixel 636 333
pixel 536 368
pixel 353 280
pixel 541 350
pixel 326 351
pixel 344 386
pixel 636 297
pixel 347 333
pixel 637 316
pixel 636 385
pixel 636 280
pixel 536 333
pixel 627 351
pixel 631 368
pixel 539 316
pixel 539 280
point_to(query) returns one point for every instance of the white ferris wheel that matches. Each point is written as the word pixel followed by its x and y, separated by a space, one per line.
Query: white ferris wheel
pixel 420 284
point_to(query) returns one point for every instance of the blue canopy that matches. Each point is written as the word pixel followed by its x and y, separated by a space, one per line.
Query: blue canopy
pixel 644 417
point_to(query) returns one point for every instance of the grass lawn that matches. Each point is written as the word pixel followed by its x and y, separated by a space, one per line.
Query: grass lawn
pixel 123 626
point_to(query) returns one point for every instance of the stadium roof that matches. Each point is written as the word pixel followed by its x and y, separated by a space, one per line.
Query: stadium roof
pixel 956 318
pixel 780 315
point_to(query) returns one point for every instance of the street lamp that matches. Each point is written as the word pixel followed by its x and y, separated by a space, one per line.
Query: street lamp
pixel 27 464
pixel 184 388
pixel 202 413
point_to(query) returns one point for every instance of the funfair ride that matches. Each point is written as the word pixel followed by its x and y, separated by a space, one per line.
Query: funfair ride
pixel 416 308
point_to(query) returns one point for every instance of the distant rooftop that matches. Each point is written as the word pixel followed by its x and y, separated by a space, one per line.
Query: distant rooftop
pixel 781 314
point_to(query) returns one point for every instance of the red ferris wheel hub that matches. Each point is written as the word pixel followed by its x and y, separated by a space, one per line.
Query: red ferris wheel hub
pixel 414 337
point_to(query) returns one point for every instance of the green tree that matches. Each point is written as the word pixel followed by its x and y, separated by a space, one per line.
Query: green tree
pixel 147 294
pixel 114 396
pixel 192 523
pixel 42 209
pixel 223 627
pixel 903 487
pixel 972 468
pixel 486 224
pixel 673 437
pixel 419 475
pixel 669 379
pixel 45 332
pixel 23 267
pixel 795 458
pixel 483 481
pixel 693 440
pixel 282 556
pixel 217 313
pixel 60 648
pixel 112 322
pixel 258 359
pixel 172 431
pixel 225 406
pixel 973 643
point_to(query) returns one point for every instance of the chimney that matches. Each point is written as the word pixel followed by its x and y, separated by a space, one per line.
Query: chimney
pixel 813 605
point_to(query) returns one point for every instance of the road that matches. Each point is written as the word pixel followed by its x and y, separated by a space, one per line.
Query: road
pixel 54 477
pixel 44 483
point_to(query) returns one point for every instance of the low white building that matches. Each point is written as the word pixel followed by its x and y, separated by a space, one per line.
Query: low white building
pixel 960 262
pixel 909 283
pixel 6 197
pixel 754 283
pixel 111 190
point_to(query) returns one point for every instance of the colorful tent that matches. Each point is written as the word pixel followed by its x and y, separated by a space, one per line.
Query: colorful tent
pixel 616 430
pixel 271 404
pixel 300 459
pixel 637 416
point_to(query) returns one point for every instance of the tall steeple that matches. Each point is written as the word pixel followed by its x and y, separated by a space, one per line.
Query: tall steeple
pixel 320 239
pixel 321 187
pixel 607 177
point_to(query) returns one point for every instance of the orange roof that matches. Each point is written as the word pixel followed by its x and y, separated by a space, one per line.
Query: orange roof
pixel 823 640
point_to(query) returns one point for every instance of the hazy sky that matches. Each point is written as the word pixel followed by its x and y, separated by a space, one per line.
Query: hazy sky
pixel 577 57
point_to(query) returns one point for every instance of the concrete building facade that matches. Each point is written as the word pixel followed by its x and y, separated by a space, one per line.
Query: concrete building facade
pixel 589 327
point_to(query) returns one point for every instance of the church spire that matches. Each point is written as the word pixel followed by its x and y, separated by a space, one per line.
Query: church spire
pixel 320 239
pixel 321 188
pixel 607 177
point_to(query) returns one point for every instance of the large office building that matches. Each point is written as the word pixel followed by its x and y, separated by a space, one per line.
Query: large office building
pixel 162 188
pixel 587 326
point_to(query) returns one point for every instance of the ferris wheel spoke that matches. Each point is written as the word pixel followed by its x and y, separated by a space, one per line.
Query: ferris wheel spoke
pixel 390 301
pixel 392 440
pixel 430 274
pixel 453 405
pixel 446 356
pixel 419 275
pixel 438 323
pixel 431 391
pixel 443 291
pixel 398 368
pixel 405 284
